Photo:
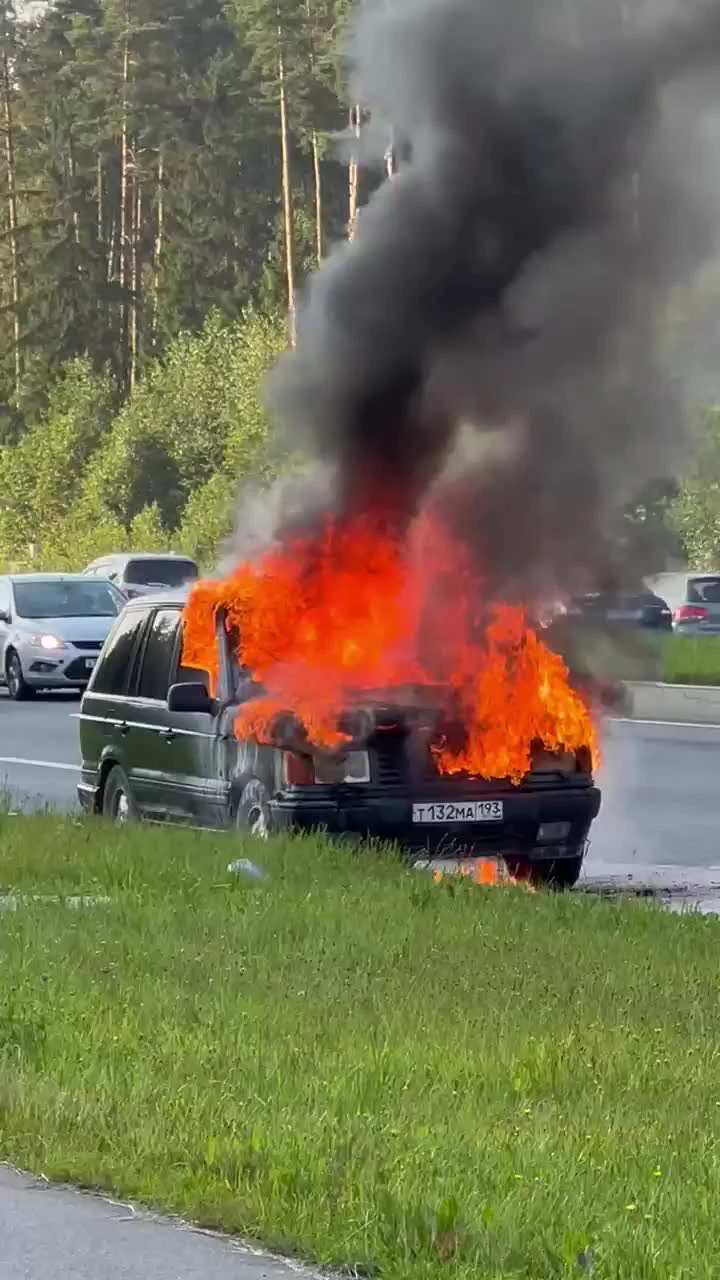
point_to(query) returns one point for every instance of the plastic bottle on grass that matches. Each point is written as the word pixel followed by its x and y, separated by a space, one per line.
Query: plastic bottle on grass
pixel 250 870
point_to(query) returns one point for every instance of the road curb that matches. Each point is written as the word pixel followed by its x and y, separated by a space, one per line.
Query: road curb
pixel 671 703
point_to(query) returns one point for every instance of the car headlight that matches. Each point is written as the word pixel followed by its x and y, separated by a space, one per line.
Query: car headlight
pixel 45 641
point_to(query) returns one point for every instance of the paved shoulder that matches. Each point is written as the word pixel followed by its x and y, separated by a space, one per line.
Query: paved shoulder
pixel 54 1233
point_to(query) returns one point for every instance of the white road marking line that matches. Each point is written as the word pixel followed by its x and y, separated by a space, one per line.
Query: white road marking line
pixel 669 724
pixel 40 764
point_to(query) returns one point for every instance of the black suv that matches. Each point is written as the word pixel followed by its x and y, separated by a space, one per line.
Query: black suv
pixel 155 745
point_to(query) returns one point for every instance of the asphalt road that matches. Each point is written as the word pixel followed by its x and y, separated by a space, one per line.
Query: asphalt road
pixel 50 1233
pixel 658 826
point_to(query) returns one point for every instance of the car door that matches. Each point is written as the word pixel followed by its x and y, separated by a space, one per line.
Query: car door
pixel 5 619
pixel 105 733
pixel 174 757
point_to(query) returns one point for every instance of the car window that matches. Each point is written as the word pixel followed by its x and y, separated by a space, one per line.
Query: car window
pixel 160 573
pixel 65 598
pixel 704 590
pixel 158 655
pixel 113 670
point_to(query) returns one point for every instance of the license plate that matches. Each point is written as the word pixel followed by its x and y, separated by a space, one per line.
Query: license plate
pixel 442 811
pixel 90 663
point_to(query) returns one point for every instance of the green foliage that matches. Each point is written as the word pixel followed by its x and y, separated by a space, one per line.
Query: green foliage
pixel 42 471
pixel 147 169
pixel 695 511
pixel 163 471
pixel 207 519
pixel 197 413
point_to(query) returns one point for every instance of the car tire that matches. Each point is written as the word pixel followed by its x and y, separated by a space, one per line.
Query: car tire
pixel 117 801
pixel 252 812
pixel 547 873
pixel 17 686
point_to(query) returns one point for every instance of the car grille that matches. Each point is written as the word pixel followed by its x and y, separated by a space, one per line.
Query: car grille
pixel 398 759
pixel 390 761
pixel 89 646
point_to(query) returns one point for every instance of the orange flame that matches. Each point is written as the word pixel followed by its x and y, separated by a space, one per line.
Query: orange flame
pixel 326 617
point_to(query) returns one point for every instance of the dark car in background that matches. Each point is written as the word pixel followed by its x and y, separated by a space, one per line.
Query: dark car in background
pixel 155 745
pixel 632 609
pixel 694 599
pixel 144 572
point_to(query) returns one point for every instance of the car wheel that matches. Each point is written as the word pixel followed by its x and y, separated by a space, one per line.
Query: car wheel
pixel 117 802
pixel 252 813
pixel 547 873
pixel 18 688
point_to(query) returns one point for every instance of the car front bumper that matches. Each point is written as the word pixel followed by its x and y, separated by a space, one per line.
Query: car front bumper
pixel 388 816
pixel 55 668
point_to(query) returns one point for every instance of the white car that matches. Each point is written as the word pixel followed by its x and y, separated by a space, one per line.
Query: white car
pixel 142 573
pixel 52 628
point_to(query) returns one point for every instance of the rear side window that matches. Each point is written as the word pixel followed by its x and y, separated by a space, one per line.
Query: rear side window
pixel 704 591
pixel 112 671
pixel 157 660
pixel 160 572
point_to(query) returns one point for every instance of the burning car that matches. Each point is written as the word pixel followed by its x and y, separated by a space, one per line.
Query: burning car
pixel 159 742
pixel 372 693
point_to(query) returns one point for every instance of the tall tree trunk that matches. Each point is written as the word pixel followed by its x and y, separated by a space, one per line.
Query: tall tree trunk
pixel 134 334
pixel 110 261
pixel 317 174
pixel 158 248
pixel 99 199
pixel 100 301
pixel 353 172
pixel 75 216
pixel 315 146
pixel 286 189
pixel 124 156
pixel 12 208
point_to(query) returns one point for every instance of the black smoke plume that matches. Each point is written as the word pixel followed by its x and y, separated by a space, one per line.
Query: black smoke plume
pixel 508 286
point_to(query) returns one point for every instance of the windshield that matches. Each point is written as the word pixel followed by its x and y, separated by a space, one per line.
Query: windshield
pixel 66 599
pixel 161 573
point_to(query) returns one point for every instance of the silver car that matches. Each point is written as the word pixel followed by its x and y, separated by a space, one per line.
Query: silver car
pixel 143 573
pixel 52 628
pixel 694 599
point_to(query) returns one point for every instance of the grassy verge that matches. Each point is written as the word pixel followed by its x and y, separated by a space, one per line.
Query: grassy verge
pixel 691 660
pixel 360 1066
pixel 617 654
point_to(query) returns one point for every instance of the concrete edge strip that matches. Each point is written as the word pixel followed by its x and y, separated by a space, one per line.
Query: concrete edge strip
pixel 673 724
pixel 40 764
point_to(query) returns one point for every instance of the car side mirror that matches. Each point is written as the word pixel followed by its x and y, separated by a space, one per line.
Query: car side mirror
pixel 5 617
pixel 190 697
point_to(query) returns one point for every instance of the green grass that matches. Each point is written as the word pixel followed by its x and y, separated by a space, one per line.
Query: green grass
pixel 691 660
pixel 608 653
pixel 357 1065
pixel 613 653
